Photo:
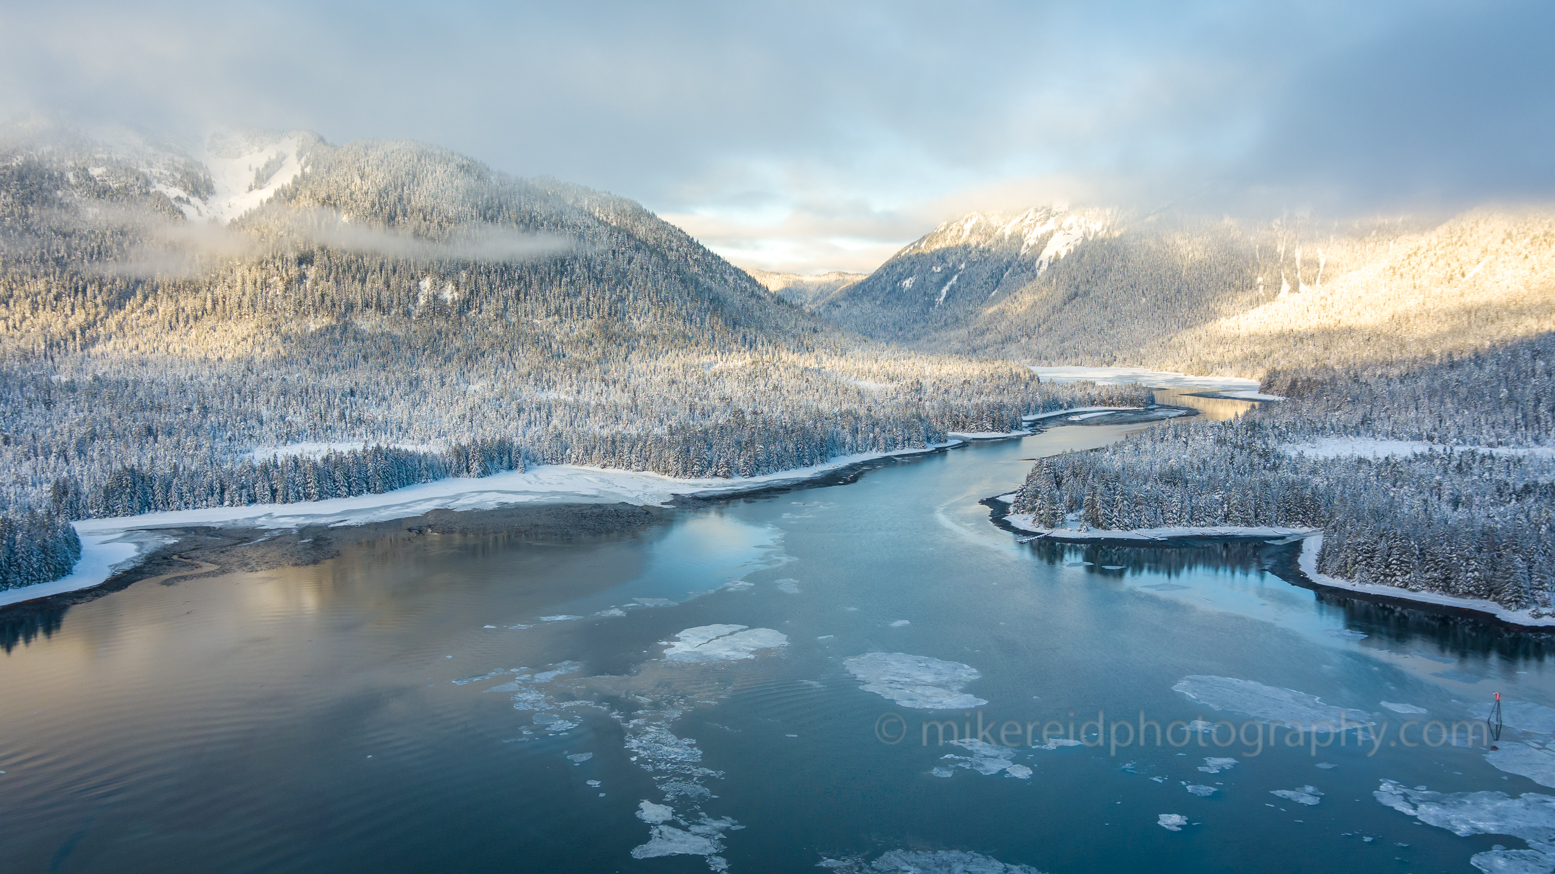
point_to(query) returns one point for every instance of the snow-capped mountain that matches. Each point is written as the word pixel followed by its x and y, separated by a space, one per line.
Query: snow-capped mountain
pixel 1098 286
pixel 963 264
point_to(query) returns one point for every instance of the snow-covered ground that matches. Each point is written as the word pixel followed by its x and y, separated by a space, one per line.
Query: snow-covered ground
pixel 1142 376
pixel 109 546
pixel 986 435
pixel 1308 565
pixel 1024 522
pixel 1366 447
pixel 1072 411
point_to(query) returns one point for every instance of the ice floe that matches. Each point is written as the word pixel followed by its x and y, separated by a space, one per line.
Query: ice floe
pixel 1201 790
pixel 1269 703
pixel 722 643
pixel 563 617
pixel 926 862
pixel 900 622
pixel 649 812
pixel 919 682
pixel 1530 817
pixel 579 758
pixel 1216 764
pixel 788 587
pixel 704 838
pixel 1172 822
pixel 988 759
pixel 478 678
pixel 1521 715
pixel 1308 795
pixel 1530 760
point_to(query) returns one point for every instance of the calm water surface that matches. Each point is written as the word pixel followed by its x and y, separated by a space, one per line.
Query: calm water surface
pixel 324 718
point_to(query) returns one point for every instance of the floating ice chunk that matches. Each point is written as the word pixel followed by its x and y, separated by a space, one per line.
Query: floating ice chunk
pixel 1214 765
pixel 926 862
pixel 1077 564
pixel 737 585
pixel 1114 567
pixel 1057 742
pixel 666 840
pixel 488 626
pixel 612 612
pixel 1527 760
pixel 1172 822
pixel 1403 708
pixel 520 627
pixel 477 679
pixel 561 668
pixel 1530 817
pixel 943 772
pixel 1202 791
pixel 1268 703
pixel 1521 715
pixel 988 759
pixel 579 758
pixel 703 838
pixel 721 643
pixel 919 682
pixel 593 784
pixel 1326 765
pixel 655 602
pixel 560 617
pixel 900 622
pixel 1308 795
pixel 826 637
pixel 647 811
pixel 788 587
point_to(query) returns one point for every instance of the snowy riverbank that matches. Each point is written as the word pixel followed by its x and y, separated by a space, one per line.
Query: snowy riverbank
pixel 1311 544
pixel 1024 522
pixel 112 546
pixel 1308 565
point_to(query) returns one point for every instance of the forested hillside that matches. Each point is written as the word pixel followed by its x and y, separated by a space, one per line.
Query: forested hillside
pixel 1436 478
pixel 280 319
pixel 1105 287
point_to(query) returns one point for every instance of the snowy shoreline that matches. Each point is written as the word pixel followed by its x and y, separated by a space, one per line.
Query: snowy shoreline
pixel 1311 542
pixel 1307 564
pixel 1024 523
pixel 113 546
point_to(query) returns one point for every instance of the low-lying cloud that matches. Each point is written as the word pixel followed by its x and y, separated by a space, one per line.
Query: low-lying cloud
pixel 190 249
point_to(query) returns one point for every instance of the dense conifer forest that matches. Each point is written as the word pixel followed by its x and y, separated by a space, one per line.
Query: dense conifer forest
pixel 1437 477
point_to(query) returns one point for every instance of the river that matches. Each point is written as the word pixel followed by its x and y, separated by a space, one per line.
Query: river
pixel 429 704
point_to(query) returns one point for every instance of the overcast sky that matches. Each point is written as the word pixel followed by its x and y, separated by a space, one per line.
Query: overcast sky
pixel 817 136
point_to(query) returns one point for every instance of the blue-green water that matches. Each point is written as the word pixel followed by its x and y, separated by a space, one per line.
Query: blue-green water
pixel 307 719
